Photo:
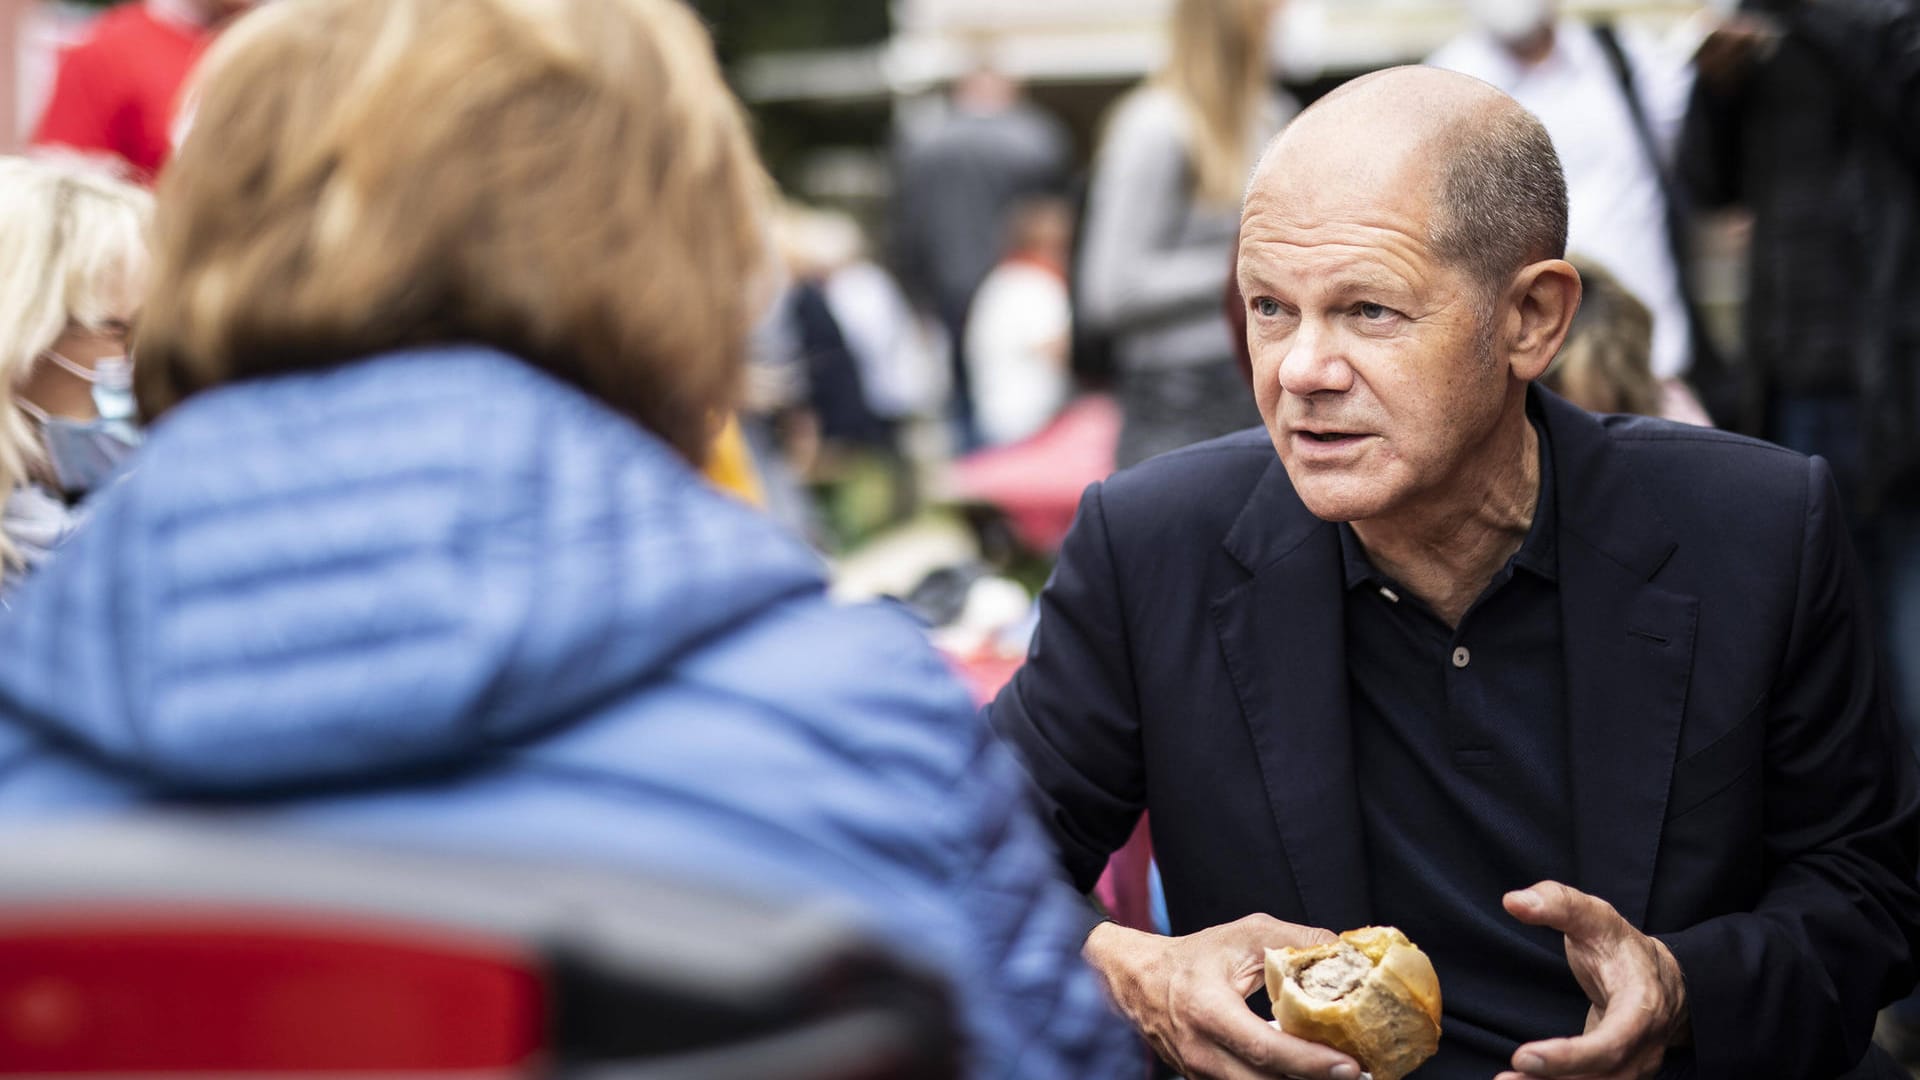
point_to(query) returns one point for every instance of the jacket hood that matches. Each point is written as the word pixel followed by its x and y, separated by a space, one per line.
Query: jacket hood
pixel 395 565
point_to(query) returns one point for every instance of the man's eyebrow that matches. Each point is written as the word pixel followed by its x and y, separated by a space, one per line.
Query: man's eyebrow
pixel 1347 284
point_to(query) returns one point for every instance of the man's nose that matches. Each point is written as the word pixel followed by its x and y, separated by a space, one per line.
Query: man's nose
pixel 1314 363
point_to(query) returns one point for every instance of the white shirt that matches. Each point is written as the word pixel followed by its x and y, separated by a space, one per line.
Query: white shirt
pixel 900 375
pixel 1616 216
pixel 1017 331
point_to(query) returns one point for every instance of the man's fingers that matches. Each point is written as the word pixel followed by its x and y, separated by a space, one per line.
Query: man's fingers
pixel 1274 1052
pixel 1570 911
pixel 1605 1049
pixel 1224 1038
pixel 1265 931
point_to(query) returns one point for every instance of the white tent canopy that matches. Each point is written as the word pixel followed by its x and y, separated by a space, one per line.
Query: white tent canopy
pixel 1068 41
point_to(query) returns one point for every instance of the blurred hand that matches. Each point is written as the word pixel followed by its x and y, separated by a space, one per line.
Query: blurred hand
pixel 1730 51
pixel 1187 996
pixel 1639 999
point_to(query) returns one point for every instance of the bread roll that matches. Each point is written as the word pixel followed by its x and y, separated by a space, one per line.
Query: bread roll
pixel 1372 994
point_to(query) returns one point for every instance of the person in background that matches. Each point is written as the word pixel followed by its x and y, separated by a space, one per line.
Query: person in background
pixel 1605 365
pixel 813 251
pixel 1021 325
pixel 116 93
pixel 902 372
pixel 1602 367
pixel 73 265
pixel 1162 213
pixel 1612 100
pixel 1808 116
pixel 418 553
pixel 955 186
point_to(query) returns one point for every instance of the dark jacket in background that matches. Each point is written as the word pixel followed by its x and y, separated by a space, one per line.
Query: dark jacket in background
pixel 1821 141
pixel 954 190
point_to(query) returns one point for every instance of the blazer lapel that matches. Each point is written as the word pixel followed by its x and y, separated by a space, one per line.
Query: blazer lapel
pixel 1282 633
pixel 1629 654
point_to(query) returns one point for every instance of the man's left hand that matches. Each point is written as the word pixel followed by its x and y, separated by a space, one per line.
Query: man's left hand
pixel 1639 999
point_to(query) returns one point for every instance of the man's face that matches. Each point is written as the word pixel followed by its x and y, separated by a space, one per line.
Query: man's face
pixel 1372 365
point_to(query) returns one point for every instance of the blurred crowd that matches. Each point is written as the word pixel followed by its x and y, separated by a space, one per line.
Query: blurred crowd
pixel 388 386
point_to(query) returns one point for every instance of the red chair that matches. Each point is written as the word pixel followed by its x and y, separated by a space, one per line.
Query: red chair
pixel 181 950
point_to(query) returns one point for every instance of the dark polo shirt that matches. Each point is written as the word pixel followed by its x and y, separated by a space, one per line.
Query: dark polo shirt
pixel 1460 740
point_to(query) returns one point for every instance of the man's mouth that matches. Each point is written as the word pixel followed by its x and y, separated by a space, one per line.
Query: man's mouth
pixel 1330 436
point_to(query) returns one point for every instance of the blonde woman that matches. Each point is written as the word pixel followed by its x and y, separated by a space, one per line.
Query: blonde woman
pixel 73 262
pixel 1606 363
pixel 1162 214
pixel 447 298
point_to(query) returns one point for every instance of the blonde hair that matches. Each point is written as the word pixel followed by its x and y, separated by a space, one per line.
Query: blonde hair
pixel 1217 68
pixel 73 252
pixel 569 181
pixel 1606 363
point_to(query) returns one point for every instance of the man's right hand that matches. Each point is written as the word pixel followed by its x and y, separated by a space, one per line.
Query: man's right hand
pixel 1187 995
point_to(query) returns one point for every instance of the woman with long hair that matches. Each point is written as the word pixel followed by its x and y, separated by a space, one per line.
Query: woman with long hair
pixel 73 262
pixel 1162 214
pixel 449 299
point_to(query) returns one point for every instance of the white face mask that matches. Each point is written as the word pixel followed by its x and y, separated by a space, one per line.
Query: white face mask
pixel 1297 40
pixel 1511 20
pixel 112 381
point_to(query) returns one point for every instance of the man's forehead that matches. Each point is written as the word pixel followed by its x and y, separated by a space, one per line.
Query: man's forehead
pixel 1369 186
pixel 1337 254
pixel 1377 134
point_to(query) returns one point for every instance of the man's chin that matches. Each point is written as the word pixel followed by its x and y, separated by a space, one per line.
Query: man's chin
pixel 1337 501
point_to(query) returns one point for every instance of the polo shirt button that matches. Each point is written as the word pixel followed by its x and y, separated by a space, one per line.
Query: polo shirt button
pixel 1461 656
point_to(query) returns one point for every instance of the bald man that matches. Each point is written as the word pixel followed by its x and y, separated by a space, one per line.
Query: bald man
pixel 1586 706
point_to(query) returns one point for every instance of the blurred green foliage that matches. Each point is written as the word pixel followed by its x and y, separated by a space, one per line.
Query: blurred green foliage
pixel 748 27
pixel 789 133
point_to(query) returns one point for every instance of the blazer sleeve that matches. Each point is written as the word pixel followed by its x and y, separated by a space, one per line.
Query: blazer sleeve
pixel 1071 712
pixel 1791 987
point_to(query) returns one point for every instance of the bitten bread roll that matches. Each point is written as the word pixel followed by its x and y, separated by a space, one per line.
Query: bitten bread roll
pixel 1372 994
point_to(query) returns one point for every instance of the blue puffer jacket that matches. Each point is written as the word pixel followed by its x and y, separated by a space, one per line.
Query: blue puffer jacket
pixel 441 598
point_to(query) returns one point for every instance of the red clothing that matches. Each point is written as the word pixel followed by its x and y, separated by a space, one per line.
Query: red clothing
pixel 116 91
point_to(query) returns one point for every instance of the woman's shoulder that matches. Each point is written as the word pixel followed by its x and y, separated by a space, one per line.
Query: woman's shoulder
pixel 1148 112
pixel 814 659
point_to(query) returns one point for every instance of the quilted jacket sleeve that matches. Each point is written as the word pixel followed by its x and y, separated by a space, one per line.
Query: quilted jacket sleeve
pixel 922 814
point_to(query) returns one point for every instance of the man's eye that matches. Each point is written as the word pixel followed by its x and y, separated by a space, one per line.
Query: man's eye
pixel 1373 312
pixel 1267 306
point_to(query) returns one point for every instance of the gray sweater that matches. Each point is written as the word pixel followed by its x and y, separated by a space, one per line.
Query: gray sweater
pixel 1154 262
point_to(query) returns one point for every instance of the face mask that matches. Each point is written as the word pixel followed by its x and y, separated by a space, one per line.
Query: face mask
pixel 85 454
pixel 1297 40
pixel 112 380
pixel 1511 20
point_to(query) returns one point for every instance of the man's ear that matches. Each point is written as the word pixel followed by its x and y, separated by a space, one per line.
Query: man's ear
pixel 1547 293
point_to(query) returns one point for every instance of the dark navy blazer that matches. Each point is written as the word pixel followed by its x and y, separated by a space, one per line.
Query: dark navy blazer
pixel 1739 785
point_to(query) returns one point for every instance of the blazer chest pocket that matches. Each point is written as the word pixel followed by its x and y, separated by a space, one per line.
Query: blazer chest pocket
pixel 1714 768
